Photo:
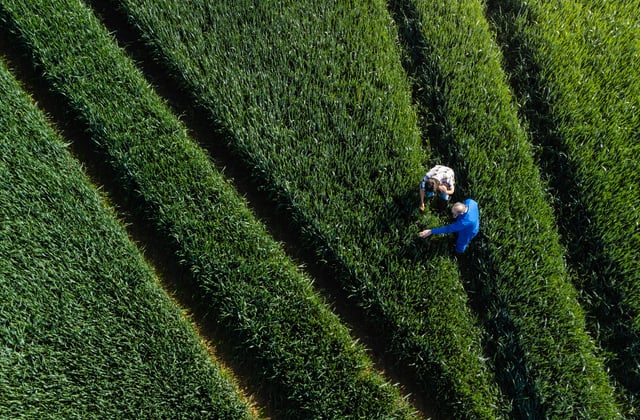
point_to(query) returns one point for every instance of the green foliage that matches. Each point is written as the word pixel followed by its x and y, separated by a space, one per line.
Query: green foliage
pixel 313 100
pixel 86 331
pixel 550 367
pixel 307 364
pixel 574 66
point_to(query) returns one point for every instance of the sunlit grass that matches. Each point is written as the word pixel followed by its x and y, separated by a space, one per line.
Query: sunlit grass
pixel 300 356
pixel 86 330
pixel 314 101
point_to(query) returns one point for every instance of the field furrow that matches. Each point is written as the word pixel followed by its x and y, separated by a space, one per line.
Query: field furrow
pixel 85 329
pixel 574 67
pixel 312 98
pixel 301 358
pixel 544 357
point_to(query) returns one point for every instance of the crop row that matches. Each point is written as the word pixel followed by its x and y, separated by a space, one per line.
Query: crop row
pixel 85 328
pixel 300 356
pixel 574 67
pixel 544 356
pixel 312 97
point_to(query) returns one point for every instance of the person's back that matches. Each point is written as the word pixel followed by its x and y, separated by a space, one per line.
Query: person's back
pixel 443 174
pixel 438 180
pixel 471 222
pixel 467 224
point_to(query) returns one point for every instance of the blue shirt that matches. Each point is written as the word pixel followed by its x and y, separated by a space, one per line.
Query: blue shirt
pixel 467 226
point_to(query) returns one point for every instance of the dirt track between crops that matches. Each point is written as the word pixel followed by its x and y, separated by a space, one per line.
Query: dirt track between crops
pixel 174 278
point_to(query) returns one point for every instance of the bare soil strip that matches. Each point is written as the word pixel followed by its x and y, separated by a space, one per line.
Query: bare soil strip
pixel 173 278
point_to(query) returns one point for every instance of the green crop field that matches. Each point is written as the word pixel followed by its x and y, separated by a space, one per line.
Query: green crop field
pixel 576 80
pixel 86 330
pixel 304 258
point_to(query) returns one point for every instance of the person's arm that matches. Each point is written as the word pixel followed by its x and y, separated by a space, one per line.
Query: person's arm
pixel 456 226
pixel 425 233
pixel 446 189
pixel 423 185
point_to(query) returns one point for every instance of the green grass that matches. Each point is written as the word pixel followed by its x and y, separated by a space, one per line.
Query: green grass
pixel 86 331
pixel 311 96
pixel 543 355
pixel 312 100
pixel 302 359
pixel 574 68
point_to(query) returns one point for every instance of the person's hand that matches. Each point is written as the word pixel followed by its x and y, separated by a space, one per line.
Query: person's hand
pixel 442 188
pixel 425 233
pixel 421 207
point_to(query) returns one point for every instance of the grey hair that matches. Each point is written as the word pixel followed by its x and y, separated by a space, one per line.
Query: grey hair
pixel 459 208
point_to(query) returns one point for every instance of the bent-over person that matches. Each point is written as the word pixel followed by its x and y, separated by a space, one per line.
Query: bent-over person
pixel 467 224
pixel 441 180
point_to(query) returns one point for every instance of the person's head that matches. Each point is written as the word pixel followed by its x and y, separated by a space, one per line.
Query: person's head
pixel 457 209
pixel 432 185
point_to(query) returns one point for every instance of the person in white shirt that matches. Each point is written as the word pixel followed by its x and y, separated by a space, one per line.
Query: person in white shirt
pixel 439 179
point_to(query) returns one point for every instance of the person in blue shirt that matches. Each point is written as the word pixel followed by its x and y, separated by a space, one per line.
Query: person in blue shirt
pixel 467 224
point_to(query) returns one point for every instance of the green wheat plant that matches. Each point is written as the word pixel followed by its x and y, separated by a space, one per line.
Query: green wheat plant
pixel 302 359
pixel 544 356
pixel 85 329
pixel 574 69
pixel 312 98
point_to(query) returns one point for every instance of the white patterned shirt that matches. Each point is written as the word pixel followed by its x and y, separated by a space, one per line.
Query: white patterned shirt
pixel 443 174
